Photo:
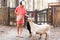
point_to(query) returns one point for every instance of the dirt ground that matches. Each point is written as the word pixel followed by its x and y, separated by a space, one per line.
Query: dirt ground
pixel 9 33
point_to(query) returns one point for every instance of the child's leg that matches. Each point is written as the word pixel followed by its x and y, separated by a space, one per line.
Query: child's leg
pixel 18 29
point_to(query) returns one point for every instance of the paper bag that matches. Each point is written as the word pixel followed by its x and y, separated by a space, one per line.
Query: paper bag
pixel 18 18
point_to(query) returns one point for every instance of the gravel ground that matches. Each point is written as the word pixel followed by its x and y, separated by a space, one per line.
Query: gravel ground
pixel 9 33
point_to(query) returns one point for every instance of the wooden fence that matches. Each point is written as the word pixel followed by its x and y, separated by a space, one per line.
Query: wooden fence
pixel 39 16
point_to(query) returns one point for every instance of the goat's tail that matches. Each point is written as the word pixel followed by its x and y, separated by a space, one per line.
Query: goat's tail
pixel 50 26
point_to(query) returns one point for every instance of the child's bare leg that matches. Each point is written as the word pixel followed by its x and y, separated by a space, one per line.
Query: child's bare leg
pixel 18 30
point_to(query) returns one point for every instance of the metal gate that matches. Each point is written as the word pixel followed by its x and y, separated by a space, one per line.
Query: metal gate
pixel 39 16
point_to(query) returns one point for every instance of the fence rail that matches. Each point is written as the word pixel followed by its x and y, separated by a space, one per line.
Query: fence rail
pixel 39 16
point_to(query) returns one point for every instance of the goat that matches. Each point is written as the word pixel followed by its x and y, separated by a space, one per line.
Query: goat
pixel 40 29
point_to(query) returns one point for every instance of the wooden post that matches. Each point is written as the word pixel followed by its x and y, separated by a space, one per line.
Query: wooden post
pixel 8 16
pixel 48 14
pixel 36 16
pixel 17 1
pixel 51 15
pixel 3 3
pixel 4 12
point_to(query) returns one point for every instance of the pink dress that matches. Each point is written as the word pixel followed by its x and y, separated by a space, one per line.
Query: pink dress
pixel 20 11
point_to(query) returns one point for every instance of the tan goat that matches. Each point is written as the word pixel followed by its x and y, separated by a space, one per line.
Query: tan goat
pixel 40 29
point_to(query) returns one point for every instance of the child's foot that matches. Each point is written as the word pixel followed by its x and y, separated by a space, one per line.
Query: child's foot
pixel 21 36
pixel 17 35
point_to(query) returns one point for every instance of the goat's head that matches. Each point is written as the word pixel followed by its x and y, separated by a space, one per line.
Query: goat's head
pixel 30 19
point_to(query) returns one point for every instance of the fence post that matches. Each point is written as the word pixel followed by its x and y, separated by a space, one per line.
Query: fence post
pixel 8 16
pixel 36 16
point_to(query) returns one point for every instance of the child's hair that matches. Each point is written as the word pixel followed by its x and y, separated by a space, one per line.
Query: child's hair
pixel 21 3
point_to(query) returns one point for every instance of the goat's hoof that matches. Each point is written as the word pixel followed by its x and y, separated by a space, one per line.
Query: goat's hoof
pixel 35 39
pixel 39 37
pixel 30 35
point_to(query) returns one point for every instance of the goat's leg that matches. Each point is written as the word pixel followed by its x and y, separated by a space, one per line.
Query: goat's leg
pixel 29 29
pixel 30 35
pixel 34 36
pixel 47 36
pixel 40 36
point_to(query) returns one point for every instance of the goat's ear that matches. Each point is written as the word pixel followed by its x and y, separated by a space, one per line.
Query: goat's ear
pixel 33 19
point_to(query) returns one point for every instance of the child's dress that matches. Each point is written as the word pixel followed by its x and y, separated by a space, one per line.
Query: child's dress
pixel 20 11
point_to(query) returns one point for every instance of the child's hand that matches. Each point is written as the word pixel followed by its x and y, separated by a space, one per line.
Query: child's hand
pixel 27 15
